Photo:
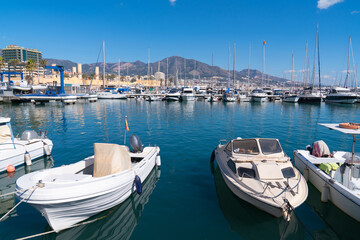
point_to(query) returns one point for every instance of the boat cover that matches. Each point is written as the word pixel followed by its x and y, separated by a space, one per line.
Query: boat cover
pixel 110 159
pixel 5 133
pixel 320 149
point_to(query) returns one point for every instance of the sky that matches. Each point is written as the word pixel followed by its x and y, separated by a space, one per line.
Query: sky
pixel 74 30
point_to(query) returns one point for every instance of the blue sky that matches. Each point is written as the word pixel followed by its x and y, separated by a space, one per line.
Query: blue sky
pixel 74 30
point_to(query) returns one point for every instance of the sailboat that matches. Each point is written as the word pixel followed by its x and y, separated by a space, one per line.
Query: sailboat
pixel 309 95
pixel 289 96
pixel 339 94
pixel 109 93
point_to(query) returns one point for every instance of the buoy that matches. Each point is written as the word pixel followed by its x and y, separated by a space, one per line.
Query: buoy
pixel 47 149
pixel 325 193
pixel 27 158
pixel 306 174
pixel 10 168
pixel 212 158
pixel 138 184
pixel 158 161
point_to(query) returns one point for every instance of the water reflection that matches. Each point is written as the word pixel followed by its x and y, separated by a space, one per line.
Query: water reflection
pixel 119 222
pixel 8 181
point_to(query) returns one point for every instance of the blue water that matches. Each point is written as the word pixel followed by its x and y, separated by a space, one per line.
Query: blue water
pixel 189 199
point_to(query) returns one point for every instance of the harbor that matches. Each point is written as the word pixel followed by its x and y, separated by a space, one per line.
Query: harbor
pixel 180 120
pixel 188 183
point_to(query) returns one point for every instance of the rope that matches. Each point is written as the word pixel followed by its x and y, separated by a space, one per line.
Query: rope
pixel 10 193
pixel 76 225
pixel 3 217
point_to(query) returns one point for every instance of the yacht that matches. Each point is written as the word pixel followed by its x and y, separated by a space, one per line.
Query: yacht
pixel 188 94
pixel 258 95
pixel 290 97
pixel 310 96
pixel 111 94
pixel 172 95
pixel 341 95
pixel 336 175
pixel 259 172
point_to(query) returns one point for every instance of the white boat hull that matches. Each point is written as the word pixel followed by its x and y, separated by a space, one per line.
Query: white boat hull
pixel 64 205
pixel 16 156
pixel 291 99
pixel 188 97
pixel 258 99
pixel 110 95
pixel 338 194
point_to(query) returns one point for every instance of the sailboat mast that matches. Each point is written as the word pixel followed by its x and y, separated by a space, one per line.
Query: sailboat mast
pixel 292 73
pixel 119 72
pixel 249 65
pixel 263 67
pixel 314 68
pixel 212 65
pixel 348 66
pixel 229 68
pixel 149 67
pixel 319 60
pixel 234 65
pixel 167 72
pixel 104 64
pixel 355 68
pixel 305 66
pixel 185 72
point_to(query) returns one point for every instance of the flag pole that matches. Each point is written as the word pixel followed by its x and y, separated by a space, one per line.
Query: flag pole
pixel 125 130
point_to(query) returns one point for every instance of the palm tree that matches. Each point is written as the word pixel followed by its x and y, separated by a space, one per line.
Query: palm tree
pixel 14 63
pixel 43 63
pixel 2 63
pixel 30 66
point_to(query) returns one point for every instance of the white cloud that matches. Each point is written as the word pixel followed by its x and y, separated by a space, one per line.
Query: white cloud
pixel 172 2
pixel 355 12
pixel 325 4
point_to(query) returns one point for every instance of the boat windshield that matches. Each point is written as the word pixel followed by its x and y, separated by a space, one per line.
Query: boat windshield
pixel 245 146
pixel 270 146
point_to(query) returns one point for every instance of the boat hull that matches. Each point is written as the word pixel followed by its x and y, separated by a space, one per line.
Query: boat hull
pixel 338 194
pixel 291 99
pixel 342 99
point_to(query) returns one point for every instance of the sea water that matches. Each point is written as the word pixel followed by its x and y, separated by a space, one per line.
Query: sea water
pixel 189 199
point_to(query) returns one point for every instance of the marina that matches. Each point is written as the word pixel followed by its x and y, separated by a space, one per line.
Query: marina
pixel 169 125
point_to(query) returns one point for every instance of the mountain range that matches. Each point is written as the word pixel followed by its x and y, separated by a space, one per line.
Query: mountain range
pixel 194 69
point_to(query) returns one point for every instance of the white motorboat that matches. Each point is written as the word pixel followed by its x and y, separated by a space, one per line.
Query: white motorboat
pixel 20 86
pixel 212 98
pixel 310 96
pixel 39 87
pixel 15 151
pixel 243 97
pixel 341 95
pixel 258 95
pixel 258 171
pixel 290 97
pixel 172 95
pixel 188 94
pixel 336 176
pixel 111 94
pixel 72 193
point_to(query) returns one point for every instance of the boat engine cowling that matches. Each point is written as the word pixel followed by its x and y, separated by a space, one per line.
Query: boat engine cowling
pixel 29 134
pixel 136 144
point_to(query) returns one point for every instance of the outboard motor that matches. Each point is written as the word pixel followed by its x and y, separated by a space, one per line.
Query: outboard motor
pixel 29 134
pixel 43 134
pixel 136 144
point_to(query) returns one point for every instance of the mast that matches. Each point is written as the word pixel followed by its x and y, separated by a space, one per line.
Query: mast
pixel 292 73
pixel 119 72
pixel 263 67
pixel 348 66
pixel 249 65
pixel 355 68
pixel 229 69
pixel 149 67
pixel 305 66
pixel 314 68
pixel 319 60
pixel 234 65
pixel 103 64
pixel 167 71
pixel 184 72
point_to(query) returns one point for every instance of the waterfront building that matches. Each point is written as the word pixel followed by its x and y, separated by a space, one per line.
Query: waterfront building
pixel 20 53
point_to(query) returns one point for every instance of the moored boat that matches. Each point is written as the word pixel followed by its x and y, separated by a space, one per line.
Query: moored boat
pixel 336 175
pixel 72 193
pixel 259 172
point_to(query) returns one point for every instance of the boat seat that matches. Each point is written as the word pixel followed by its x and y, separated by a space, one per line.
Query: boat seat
pixel 110 159
pixel 68 177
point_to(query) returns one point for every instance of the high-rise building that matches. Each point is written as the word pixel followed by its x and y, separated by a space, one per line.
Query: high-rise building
pixel 20 53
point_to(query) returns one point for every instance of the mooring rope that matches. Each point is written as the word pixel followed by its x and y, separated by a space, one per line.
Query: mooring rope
pixel 34 188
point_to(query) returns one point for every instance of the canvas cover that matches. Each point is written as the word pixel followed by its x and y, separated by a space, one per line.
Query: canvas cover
pixel 320 149
pixel 110 159
pixel 5 133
